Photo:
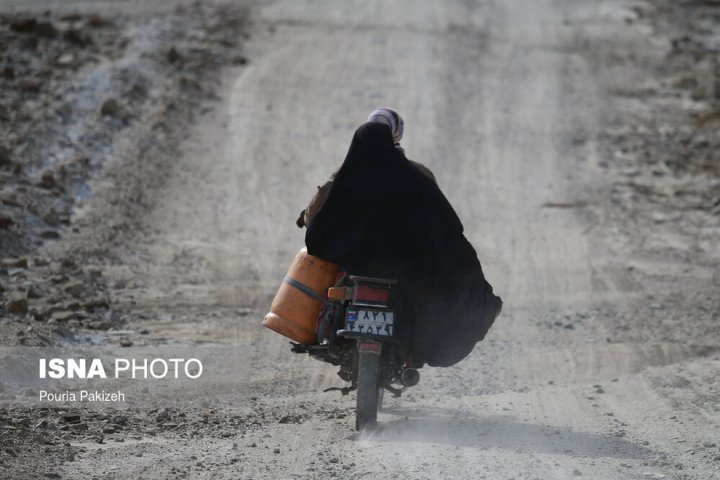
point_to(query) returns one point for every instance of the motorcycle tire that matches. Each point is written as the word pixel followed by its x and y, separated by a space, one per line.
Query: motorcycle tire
pixel 381 395
pixel 368 383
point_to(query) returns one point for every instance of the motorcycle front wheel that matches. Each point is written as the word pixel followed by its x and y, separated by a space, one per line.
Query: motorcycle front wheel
pixel 368 385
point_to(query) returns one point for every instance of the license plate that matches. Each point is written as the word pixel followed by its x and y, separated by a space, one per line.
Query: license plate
pixel 375 322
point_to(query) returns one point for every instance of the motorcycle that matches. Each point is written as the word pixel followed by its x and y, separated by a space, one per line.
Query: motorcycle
pixel 358 332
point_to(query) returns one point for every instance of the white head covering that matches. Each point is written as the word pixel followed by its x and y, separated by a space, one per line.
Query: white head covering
pixel 390 118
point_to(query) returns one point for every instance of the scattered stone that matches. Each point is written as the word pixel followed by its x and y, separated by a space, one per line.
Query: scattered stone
pixel 65 60
pixel 41 315
pixel 23 25
pixel 126 342
pixel 97 302
pixel 163 415
pixel 17 304
pixel 5 159
pixel 6 222
pixel 100 324
pixel 96 21
pixel 239 61
pixel 30 85
pixel 114 318
pixel 17 263
pixel 50 235
pixel 14 272
pixel 110 108
pixel 24 421
pixel 173 55
pixel 58 279
pixel 93 272
pixel 47 180
pixel 75 36
pixel 68 264
pixel 75 288
pixel 41 262
pixel 709 444
pixel 52 218
pixel 120 333
pixel 276 451
pixel 46 29
pixel 61 315
pixel 119 420
pixel 577 473
pixel 659 217
pixel 71 417
pixel 34 292
pixel 73 306
pixel 42 425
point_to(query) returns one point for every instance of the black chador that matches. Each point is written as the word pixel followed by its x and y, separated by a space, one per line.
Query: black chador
pixel 384 218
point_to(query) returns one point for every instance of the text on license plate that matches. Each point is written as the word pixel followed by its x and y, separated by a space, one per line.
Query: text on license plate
pixel 376 322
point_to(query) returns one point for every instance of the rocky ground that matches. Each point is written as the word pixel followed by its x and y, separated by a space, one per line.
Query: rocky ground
pixel 95 105
pixel 76 88
pixel 662 152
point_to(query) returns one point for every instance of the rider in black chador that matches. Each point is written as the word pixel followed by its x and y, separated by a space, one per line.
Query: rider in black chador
pixel 382 215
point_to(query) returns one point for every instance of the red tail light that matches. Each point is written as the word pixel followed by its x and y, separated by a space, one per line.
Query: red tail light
pixel 366 295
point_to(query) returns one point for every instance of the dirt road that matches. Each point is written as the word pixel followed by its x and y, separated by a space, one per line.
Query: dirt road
pixel 589 372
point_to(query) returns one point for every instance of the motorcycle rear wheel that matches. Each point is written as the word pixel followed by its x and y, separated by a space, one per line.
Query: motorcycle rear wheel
pixel 368 384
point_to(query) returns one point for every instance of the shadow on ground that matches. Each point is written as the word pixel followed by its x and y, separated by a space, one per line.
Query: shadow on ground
pixel 442 426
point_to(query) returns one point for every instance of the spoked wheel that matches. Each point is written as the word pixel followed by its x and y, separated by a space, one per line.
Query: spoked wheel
pixel 368 386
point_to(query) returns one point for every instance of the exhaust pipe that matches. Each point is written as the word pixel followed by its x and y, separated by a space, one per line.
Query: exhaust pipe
pixel 409 377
